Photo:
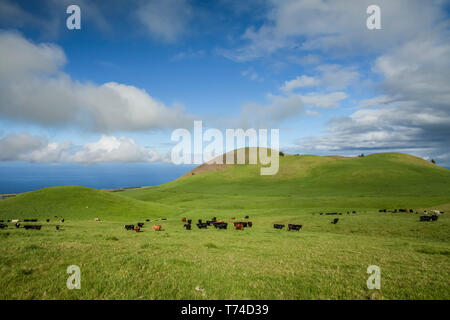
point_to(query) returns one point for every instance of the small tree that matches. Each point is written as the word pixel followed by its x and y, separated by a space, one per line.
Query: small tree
pixel 432 161
pixel 281 154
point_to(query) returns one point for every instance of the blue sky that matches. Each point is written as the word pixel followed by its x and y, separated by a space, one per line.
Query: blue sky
pixel 116 89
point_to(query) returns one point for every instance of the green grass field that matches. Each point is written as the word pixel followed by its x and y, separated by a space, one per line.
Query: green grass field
pixel 322 261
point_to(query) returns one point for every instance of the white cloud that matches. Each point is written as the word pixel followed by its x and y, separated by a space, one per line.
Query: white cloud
pixel 337 27
pixel 252 75
pixel 327 101
pixel 34 89
pixel 165 20
pixel 328 76
pixel 300 82
pixel 25 147
pixel 12 146
pixel 413 112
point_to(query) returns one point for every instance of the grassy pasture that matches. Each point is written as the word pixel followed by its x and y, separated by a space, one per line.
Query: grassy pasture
pixel 322 261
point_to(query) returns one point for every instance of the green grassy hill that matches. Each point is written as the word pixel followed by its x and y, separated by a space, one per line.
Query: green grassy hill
pixel 322 261
pixel 78 203
pixel 384 180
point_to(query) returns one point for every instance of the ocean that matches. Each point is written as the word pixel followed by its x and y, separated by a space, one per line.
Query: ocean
pixel 16 177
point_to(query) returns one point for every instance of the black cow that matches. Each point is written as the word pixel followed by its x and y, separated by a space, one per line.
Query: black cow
pixel 48 220
pixel 202 225
pixel 278 226
pixel 57 227
pixel 129 226
pixel 62 220
pixel 411 210
pixel 434 218
pixel 17 225
pixel 2 221
pixel 163 218
pixel 353 211
pixel 425 218
pixel 148 220
pixel 140 224
pixel 295 227
pixel 32 227
pixel 3 226
pixel 189 221
pixel 214 219
pixel 246 217
pixel 250 224
pixel 200 221
pixel 220 225
pixel 209 222
pixel 187 226
pixel 335 221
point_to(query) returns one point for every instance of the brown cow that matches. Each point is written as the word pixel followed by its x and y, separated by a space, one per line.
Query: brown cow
pixel 239 226
pixel 183 219
pixel 137 228
pixel 157 227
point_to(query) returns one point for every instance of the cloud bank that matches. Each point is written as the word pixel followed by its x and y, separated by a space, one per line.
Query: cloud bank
pixel 25 147
pixel 34 89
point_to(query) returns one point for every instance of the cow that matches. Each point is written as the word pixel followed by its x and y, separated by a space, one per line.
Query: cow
pixel 246 217
pixel 48 220
pixel 202 225
pixel 353 211
pixel 62 220
pixel 295 227
pixel 335 221
pixel 278 226
pixel 137 228
pixel 232 218
pixel 157 227
pixel 15 220
pixel 220 225
pixel 17 224
pixel 57 227
pixel 3 226
pixel 129 226
pixel 96 219
pixel 189 221
pixel 183 219
pixel 434 218
pixel 209 222
pixel 250 224
pixel 200 221
pixel 187 226
pixel 214 219
pixel 425 218
pixel 411 211
pixel 148 220
pixel 163 218
pixel 2 221
pixel 140 224
pixel 244 224
pixel 32 227
pixel 239 226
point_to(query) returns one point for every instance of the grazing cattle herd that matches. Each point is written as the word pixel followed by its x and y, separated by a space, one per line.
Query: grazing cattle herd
pixel 428 216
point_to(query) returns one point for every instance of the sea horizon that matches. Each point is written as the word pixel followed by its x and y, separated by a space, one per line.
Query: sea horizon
pixel 24 177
